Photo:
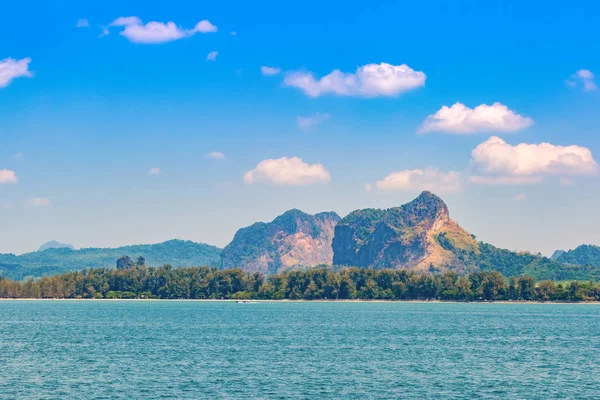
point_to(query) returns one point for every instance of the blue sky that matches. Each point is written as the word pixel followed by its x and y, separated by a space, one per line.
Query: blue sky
pixel 105 138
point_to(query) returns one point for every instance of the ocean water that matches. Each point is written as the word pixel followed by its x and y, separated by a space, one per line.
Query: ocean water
pixel 221 350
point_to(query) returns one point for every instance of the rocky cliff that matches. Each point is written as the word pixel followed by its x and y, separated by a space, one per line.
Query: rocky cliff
pixel 419 235
pixel 294 239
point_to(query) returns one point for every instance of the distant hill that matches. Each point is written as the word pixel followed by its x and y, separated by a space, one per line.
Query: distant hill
pixel 586 254
pixel 294 239
pixel 52 261
pixel 556 254
pixel 421 236
pixel 53 244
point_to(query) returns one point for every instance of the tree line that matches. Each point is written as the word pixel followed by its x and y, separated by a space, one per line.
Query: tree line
pixel 135 280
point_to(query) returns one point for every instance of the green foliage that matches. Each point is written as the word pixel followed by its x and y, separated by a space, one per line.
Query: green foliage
pixel 582 255
pixel 167 282
pixel 54 261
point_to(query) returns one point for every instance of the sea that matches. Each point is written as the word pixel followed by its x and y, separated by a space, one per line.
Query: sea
pixel 298 350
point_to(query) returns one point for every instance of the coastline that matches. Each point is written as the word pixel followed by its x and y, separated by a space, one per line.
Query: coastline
pixel 307 301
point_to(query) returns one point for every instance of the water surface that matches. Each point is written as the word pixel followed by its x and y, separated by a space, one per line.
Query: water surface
pixel 222 350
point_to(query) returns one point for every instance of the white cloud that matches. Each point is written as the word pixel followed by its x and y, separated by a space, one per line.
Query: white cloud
pixel 501 163
pixel 18 156
pixel 11 69
pixel 8 176
pixel 205 26
pixel 287 171
pixel 216 155
pixel 125 21
pixel 39 201
pixel 308 123
pixel 370 80
pixel 154 171
pixel 368 187
pixel 233 33
pixel 421 179
pixel 462 120
pixel 269 70
pixel 158 32
pixel 82 23
pixel 105 32
pixel 520 197
pixel 212 56
pixel 584 78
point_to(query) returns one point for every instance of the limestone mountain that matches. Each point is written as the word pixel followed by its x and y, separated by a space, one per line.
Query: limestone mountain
pixel 419 235
pixel 294 239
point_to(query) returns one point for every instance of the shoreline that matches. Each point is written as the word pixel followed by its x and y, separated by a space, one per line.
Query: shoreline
pixel 309 301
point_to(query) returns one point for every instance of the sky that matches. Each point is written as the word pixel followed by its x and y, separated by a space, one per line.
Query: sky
pixel 125 122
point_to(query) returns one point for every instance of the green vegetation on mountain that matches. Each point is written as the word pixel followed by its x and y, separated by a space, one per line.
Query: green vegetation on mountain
pixel 583 255
pixel 292 240
pixel 59 260
pixel 166 282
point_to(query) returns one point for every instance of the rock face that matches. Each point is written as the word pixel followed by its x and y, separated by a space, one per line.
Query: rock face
pixel 419 235
pixel 294 239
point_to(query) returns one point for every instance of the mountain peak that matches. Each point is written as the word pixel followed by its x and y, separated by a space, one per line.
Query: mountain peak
pixel 293 239
pixel 53 244
pixel 409 236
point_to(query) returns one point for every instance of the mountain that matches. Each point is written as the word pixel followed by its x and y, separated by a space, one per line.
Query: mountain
pixel 294 239
pixel 586 254
pixel 178 253
pixel 53 244
pixel 421 236
pixel 556 254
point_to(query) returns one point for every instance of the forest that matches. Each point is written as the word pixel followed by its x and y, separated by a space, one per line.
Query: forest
pixel 133 280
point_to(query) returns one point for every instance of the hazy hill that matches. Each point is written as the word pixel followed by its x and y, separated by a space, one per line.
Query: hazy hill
pixel 53 244
pixel 293 239
pixel 178 253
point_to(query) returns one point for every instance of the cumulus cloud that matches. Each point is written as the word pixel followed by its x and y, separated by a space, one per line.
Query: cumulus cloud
pixel 501 163
pixel 82 23
pixel 269 70
pixel 421 179
pixel 583 78
pixel 287 171
pixel 308 123
pixel 158 32
pixel 39 201
pixel 154 171
pixel 212 56
pixel 205 26
pixel 371 80
pixel 216 155
pixel 8 176
pixel 11 69
pixel 462 120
